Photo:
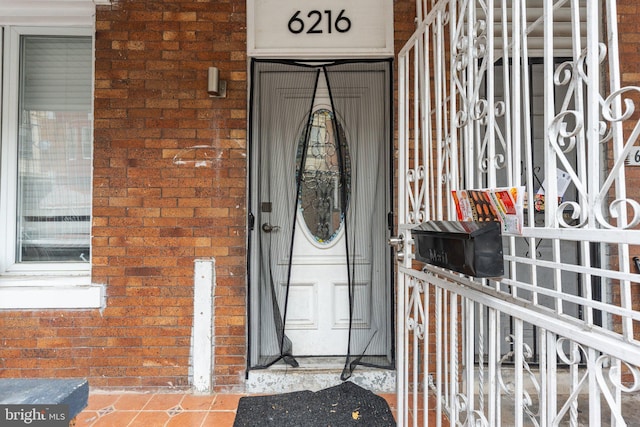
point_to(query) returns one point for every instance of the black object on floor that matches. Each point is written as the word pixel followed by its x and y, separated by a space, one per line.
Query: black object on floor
pixel 344 405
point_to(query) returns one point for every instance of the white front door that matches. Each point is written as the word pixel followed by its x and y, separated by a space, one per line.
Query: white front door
pixel 313 161
pixel 318 311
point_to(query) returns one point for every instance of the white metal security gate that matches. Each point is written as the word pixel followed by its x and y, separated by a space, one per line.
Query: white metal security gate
pixel 466 121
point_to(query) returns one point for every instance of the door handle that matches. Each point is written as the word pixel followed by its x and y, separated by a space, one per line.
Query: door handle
pixel 268 228
pixel 396 242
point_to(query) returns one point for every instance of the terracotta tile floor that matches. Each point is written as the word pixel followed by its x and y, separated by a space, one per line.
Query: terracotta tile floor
pixel 164 410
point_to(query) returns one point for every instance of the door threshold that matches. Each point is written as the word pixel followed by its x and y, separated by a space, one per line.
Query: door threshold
pixel 317 373
pixel 312 363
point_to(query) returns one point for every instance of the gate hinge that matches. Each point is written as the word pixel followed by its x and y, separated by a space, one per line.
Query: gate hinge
pixel 251 220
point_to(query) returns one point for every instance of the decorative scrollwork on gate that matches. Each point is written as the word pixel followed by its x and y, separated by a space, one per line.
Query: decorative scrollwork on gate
pixel 614 381
pixel 572 354
pixel 567 133
pixel 469 418
pixel 509 388
pixel 617 108
pixel 416 323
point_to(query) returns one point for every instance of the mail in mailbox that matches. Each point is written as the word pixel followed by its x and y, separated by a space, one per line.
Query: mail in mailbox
pixel 468 247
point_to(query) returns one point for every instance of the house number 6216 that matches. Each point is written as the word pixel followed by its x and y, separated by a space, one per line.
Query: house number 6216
pixel 297 25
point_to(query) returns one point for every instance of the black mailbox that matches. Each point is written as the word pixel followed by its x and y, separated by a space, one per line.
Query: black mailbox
pixel 468 247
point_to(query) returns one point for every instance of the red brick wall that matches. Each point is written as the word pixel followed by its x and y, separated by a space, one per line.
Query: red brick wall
pixel 151 217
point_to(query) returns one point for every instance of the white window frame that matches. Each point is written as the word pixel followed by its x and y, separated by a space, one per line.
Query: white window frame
pixel 32 285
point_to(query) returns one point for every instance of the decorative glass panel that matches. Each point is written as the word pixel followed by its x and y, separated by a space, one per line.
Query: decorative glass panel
pixel 324 173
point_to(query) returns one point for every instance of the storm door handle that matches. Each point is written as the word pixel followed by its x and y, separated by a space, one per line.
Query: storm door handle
pixel 268 228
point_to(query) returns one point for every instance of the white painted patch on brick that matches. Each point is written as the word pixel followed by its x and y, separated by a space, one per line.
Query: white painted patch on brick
pixel 202 342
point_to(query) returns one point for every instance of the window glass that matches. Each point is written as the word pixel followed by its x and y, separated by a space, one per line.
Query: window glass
pixel 323 174
pixel 54 149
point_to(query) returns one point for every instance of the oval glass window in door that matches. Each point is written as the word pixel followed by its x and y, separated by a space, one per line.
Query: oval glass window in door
pixel 320 197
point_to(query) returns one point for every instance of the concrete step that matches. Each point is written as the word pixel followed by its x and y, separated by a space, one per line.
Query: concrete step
pixel 43 391
pixel 317 373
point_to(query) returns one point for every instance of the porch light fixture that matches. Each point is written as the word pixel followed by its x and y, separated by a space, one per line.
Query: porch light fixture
pixel 216 88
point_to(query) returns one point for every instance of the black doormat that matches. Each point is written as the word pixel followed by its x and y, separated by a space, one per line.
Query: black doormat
pixel 344 405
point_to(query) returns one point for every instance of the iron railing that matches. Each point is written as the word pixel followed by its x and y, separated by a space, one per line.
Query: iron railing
pixel 520 94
